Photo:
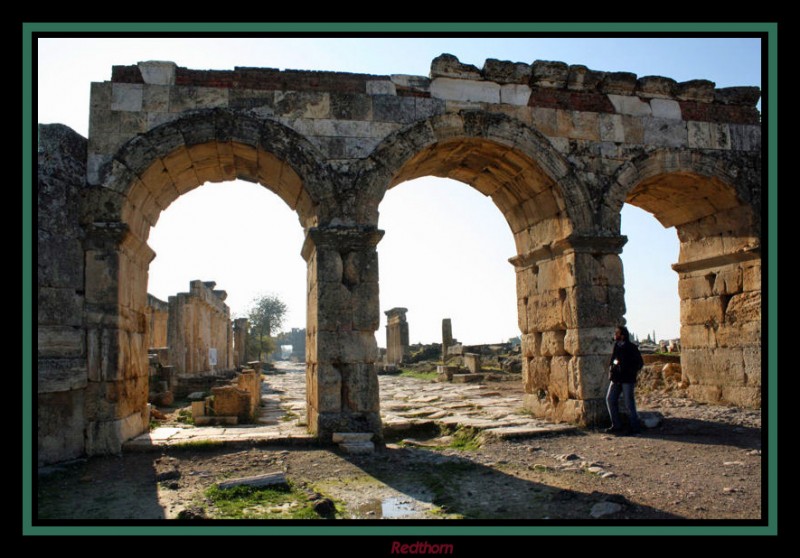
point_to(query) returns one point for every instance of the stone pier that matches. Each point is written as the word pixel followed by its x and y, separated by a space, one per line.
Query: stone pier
pixel 396 336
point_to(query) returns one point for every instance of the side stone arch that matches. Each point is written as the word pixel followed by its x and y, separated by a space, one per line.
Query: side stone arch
pixel 143 177
pixel 713 199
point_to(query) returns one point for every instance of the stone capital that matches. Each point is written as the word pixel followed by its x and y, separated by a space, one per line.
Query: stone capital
pixel 341 239
pixel 574 244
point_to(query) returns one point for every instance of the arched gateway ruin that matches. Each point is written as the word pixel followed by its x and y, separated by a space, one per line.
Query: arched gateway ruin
pixel 558 148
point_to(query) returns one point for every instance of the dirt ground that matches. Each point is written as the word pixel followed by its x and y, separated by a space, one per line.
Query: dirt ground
pixel 703 462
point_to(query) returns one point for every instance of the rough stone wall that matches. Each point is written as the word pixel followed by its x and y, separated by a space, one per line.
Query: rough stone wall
pixel 199 321
pixel 62 374
pixel 396 336
pixel 158 316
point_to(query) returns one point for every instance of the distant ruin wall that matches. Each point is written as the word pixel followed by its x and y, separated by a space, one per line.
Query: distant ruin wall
pixel 158 317
pixel 200 336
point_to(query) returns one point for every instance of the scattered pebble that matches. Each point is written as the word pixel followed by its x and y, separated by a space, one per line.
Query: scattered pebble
pixel 732 463
pixel 608 475
pixel 729 490
pixel 602 509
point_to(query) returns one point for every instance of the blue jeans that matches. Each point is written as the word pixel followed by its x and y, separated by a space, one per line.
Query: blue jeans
pixel 615 389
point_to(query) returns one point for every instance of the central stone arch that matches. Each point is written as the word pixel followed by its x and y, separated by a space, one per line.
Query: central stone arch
pixel 550 213
pixel 144 177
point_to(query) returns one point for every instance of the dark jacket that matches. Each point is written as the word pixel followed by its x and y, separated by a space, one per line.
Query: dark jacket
pixel 630 362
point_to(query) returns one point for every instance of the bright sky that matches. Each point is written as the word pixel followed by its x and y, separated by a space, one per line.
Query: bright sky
pixel 446 249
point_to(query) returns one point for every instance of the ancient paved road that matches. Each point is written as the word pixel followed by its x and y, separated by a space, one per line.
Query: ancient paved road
pixel 406 404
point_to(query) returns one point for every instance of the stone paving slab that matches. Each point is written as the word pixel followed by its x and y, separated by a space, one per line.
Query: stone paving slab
pixel 406 403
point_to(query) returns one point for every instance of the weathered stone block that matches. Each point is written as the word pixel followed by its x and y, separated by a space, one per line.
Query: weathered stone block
pixel 155 98
pixel 634 129
pixel 744 137
pixel 503 72
pixel 394 109
pixel 662 131
pixel 728 281
pixel 752 364
pixel 366 307
pixel 666 108
pixel 346 106
pixel 107 437
pixel 158 73
pixel 589 341
pixel 549 74
pixel 559 378
pixel 705 393
pixel 702 310
pixel 611 128
pixel 630 105
pixel 578 125
pixel 745 96
pixel 588 377
pixel 720 135
pixel 742 396
pixel 329 266
pixel 126 96
pixel 359 388
pixel 698 336
pixel 655 87
pixel 55 306
pixel 618 83
pixel 531 343
pixel 211 97
pixel 60 426
pixel 553 343
pixel 738 334
pixel 465 91
pixel 743 308
pixel 545 312
pixel 699 134
pixel 60 341
pixel 538 374
pixel 60 374
pixel 449 66
pixel 581 78
pixel 414 83
pixel 381 87
pixel 699 90
pixel 515 94
pixel 751 276
pixel 545 120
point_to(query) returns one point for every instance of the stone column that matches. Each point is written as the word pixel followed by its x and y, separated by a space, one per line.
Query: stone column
pixel 571 296
pixel 396 335
pixel 447 337
pixel 343 315
pixel 240 326
pixel 116 334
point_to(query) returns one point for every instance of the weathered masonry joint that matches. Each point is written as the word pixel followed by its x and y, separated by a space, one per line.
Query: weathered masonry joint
pixel 558 148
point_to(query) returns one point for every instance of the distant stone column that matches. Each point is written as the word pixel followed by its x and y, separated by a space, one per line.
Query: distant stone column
pixel 396 335
pixel 447 337
pixel 240 326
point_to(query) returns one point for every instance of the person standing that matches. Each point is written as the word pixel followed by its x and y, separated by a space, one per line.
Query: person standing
pixel 623 365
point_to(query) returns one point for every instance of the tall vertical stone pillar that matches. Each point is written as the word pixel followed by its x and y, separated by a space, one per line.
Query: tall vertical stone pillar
pixel 396 335
pixel 343 315
pixel 240 326
pixel 116 336
pixel 570 296
pixel 447 338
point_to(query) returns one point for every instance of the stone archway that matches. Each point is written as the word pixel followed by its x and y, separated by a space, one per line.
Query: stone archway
pixel 144 177
pixel 712 201
pixel 563 310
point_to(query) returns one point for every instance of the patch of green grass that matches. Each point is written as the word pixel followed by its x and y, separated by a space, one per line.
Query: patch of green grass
pixel 248 502
pixel 427 376
pixel 289 416
pixel 185 416
pixel 466 439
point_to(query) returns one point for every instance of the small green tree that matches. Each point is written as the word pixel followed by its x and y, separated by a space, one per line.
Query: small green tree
pixel 265 316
